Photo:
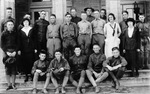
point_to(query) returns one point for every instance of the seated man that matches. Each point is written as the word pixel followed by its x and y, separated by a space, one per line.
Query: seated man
pixel 40 69
pixel 95 72
pixel 77 66
pixel 59 69
pixel 115 66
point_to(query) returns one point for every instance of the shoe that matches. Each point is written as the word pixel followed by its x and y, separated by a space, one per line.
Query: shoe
pixel 57 91
pixel 14 87
pixel 117 85
pixel 9 87
pixel 63 90
pixel 45 91
pixel 26 79
pixel 78 91
pixel 34 91
pixel 96 89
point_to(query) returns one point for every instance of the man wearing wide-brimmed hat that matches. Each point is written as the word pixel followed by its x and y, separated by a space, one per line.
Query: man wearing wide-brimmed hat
pixel 89 11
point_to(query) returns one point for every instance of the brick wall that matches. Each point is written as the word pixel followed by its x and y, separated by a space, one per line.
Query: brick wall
pixel 81 4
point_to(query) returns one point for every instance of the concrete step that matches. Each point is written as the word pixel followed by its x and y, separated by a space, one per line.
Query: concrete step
pixel 142 73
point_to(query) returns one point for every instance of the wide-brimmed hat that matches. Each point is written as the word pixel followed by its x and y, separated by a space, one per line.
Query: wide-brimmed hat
pixel 130 20
pixel 89 8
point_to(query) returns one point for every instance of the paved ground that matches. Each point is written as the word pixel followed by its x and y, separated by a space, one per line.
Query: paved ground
pixel 106 90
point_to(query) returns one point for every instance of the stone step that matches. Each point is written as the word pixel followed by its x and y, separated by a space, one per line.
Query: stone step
pixel 142 73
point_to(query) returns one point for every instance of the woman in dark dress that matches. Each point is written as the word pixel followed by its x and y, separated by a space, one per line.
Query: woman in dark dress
pixel 27 48
pixel 131 44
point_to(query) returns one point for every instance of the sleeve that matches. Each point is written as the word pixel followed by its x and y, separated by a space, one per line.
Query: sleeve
pixel 123 62
pixel 66 67
pixel 3 42
pixel 35 34
pixel 2 26
pixel 124 40
pixel 118 30
pixel 90 65
pixel 34 67
pixel 51 66
pixel 105 30
pixel 76 30
pixel 90 28
pixel 61 31
pixel 137 38
pixel 47 31
pixel 106 62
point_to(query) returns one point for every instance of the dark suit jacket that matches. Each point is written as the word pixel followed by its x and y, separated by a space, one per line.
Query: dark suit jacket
pixel 132 43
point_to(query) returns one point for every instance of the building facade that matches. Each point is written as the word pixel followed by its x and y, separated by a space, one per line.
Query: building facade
pixel 60 7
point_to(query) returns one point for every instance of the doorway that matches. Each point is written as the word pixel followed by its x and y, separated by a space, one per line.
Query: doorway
pixel 35 14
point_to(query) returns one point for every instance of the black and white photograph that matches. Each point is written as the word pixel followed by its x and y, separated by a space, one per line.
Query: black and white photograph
pixel 74 46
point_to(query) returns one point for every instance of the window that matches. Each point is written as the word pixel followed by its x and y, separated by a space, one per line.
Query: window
pixel 40 0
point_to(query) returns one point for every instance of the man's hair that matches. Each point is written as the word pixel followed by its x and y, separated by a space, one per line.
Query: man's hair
pixel 53 15
pixel 10 20
pixel 96 10
pixel 73 9
pixel 77 47
pixel 67 14
pixel 115 48
pixel 43 52
pixel 58 50
pixel 96 44
pixel 103 10
pixel 125 12
pixel 42 11
pixel 8 8
pixel 83 12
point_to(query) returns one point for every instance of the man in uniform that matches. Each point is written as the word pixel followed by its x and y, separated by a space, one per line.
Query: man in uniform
pixel 144 28
pixel 78 65
pixel 68 32
pixel 75 18
pixel 85 32
pixel 8 17
pixel 123 27
pixel 95 71
pixel 53 36
pixel 89 11
pixel 98 30
pixel 39 29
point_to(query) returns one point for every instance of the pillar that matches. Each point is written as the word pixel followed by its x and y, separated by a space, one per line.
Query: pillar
pixel 114 6
pixel 59 8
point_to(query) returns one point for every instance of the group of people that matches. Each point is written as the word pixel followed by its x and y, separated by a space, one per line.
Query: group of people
pixel 63 52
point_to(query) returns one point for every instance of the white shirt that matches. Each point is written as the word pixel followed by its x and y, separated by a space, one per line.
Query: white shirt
pixel 130 32
pixel 26 30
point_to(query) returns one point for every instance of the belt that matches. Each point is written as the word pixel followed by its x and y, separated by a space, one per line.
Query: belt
pixel 97 33
pixel 53 37
pixel 84 34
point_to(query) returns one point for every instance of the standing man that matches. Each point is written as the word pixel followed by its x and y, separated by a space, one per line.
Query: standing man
pixel 144 29
pixel 53 36
pixel 39 29
pixel 68 32
pixel 123 27
pixel 75 18
pixel 103 14
pixel 85 32
pixel 98 30
pixel 78 65
pixel 8 17
pixel 89 11
pixel 95 71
